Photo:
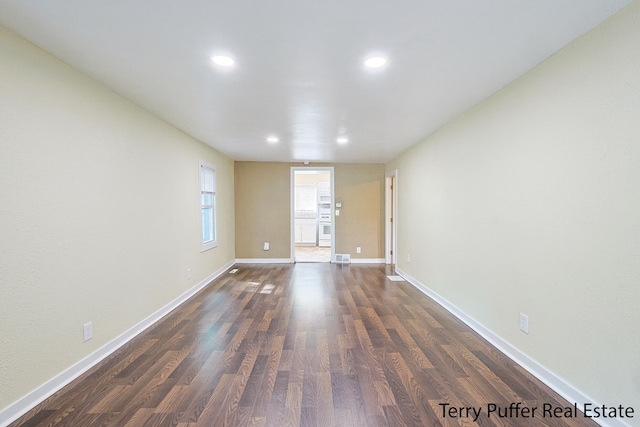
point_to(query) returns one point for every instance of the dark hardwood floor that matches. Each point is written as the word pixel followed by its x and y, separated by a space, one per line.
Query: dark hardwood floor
pixel 303 345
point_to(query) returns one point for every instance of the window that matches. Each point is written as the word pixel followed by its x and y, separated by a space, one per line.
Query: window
pixel 305 198
pixel 208 205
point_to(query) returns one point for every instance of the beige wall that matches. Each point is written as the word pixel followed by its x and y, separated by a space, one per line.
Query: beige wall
pixel 360 189
pixel 530 202
pixel 263 209
pixel 99 215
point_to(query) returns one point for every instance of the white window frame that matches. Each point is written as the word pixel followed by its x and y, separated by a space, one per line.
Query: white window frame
pixel 208 187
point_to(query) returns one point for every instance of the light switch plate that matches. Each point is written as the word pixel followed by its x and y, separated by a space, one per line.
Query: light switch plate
pixel 524 323
pixel 87 331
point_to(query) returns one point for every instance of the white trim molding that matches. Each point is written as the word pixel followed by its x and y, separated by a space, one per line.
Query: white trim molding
pixel 35 397
pixel 264 261
pixel 367 260
pixel 557 384
pixel 391 217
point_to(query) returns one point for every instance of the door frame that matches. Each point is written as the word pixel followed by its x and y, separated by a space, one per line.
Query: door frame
pixel 292 208
pixel 391 217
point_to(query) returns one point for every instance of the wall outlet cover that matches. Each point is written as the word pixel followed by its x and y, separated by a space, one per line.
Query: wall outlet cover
pixel 87 331
pixel 524 323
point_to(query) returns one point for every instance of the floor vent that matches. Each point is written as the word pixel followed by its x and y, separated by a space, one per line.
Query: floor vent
pixel 343 258
pixel 234 271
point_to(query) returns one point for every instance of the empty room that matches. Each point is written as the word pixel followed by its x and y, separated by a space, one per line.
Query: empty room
pixel 223 213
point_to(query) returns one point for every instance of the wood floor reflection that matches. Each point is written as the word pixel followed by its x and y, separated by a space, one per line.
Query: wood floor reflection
pixel 301 345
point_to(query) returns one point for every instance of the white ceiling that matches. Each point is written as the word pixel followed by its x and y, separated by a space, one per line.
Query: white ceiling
pixel 299 72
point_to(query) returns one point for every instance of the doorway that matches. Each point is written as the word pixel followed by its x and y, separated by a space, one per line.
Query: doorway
pixel 312 230
pixel 391 223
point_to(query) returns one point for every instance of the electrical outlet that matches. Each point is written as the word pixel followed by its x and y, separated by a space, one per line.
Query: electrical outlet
pixel 358 250
pixel 265 247
pixel 188 274
pixel 87 331
pixel 524 323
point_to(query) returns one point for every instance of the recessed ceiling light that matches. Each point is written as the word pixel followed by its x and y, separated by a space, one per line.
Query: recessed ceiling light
pixel 223 61
pixel 272 139
pixel 342 140
pixel 375 62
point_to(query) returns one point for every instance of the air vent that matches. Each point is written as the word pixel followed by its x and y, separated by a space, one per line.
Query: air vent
pixel 343 258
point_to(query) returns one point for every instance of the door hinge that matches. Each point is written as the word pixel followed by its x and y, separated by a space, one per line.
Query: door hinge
pixel 390 252
pixel 390 219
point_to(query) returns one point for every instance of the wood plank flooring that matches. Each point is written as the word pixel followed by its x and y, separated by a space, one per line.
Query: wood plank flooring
pixel 302 345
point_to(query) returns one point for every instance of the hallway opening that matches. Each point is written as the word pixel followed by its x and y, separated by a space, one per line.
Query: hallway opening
pixel 312 236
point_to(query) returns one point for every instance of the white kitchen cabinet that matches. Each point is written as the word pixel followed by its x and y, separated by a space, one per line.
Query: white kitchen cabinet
pixel 305 231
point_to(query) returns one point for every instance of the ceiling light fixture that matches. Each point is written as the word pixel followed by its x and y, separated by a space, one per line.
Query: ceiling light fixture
pixel 223 61
pixel 342 140
pixel 272 139
pixel 375 62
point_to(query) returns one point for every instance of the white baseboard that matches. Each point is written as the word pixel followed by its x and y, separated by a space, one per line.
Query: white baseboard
pixel 557 384
pixel 291 261
pixel 29 401
pixel 367 260
pixel 264 261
